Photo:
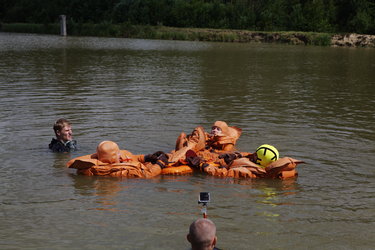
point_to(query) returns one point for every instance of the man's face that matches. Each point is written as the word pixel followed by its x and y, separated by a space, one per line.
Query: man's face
pixel 65 134
pixel 216 131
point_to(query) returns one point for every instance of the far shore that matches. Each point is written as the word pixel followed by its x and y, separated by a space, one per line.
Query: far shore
pixel 197 34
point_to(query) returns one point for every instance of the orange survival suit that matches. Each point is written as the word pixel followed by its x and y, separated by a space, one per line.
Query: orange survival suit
pixel 204 144
pixel 109 160
pixel 241 166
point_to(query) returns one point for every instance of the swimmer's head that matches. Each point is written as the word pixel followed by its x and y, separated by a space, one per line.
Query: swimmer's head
pixel 216 131
pixel 108 152
pixel 63 130
pixel 219 128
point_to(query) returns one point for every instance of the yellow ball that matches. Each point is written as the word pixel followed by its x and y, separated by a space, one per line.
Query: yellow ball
pixel 266 154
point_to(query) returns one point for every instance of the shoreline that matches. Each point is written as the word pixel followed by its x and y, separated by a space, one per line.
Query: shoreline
pixel 126 30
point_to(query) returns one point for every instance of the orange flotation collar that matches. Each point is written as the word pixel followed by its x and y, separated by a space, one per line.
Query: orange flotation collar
pixel 180 170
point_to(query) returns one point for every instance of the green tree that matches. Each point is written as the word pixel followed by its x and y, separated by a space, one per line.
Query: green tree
pixel 273 15
pixel 362 20
pixel 316 16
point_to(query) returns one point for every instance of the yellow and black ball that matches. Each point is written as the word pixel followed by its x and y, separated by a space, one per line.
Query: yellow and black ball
pixel 266 154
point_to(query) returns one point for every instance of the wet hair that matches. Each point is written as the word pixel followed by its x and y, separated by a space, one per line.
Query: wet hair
pixel 60 124
pixel 201 233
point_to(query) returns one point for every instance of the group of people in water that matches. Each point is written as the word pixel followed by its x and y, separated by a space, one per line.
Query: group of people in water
pixel 213 153
pixel 202 232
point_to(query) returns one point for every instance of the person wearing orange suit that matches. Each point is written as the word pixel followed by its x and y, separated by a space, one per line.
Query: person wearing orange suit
pixel 109 160
pixel 263 163
pixel 222 138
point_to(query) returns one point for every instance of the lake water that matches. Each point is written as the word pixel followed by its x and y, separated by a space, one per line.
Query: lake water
pixel 315 104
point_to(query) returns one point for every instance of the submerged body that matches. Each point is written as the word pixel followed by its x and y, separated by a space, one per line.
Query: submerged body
pixel 59 146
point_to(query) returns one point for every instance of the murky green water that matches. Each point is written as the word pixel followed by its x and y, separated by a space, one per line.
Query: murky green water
pixel 313 103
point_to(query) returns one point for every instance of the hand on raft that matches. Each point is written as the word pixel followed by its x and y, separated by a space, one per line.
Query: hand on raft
pixel 229 157
pixel 193 161
pixel 158 157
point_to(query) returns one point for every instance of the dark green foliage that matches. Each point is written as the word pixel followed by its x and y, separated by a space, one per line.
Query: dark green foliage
pixel 268 15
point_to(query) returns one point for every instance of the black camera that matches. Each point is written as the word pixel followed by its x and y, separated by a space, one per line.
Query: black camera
pixel 204 197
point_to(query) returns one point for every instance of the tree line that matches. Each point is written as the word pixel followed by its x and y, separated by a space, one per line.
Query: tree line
pixel 332 16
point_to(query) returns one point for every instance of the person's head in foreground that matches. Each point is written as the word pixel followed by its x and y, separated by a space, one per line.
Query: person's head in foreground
pixel 202 234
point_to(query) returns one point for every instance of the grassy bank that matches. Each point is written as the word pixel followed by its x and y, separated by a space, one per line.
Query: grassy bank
pixel 126 30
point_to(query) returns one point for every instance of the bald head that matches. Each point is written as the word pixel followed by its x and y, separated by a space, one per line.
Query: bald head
pixel 202 234
pixel 108 152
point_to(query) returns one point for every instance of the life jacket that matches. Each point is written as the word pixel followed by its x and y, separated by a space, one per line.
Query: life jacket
pixel 129 166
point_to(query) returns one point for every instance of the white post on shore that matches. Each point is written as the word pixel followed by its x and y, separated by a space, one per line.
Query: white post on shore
pixel 62 25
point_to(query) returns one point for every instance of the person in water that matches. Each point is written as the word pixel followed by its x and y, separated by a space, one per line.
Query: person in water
pixel 265 162
pixel 222 138
pixel 64 137
pixel 109 160
pixel 202 235
pixel 263 156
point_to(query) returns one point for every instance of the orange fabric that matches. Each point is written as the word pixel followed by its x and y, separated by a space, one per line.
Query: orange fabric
pixel 214 170
pixel 251 166
pixel 209 156
pixel 108 152
pixel 183 169
pixel 195 141
pixel 232 132
pixel 227 140
pixel 181 141
pixel 283 168
pixel 288 174
pixel 123 170
pixel 240 172
pixel 199 139
pixel 87 161
pixel 283 164
pixel 109 160
pixel 83 162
